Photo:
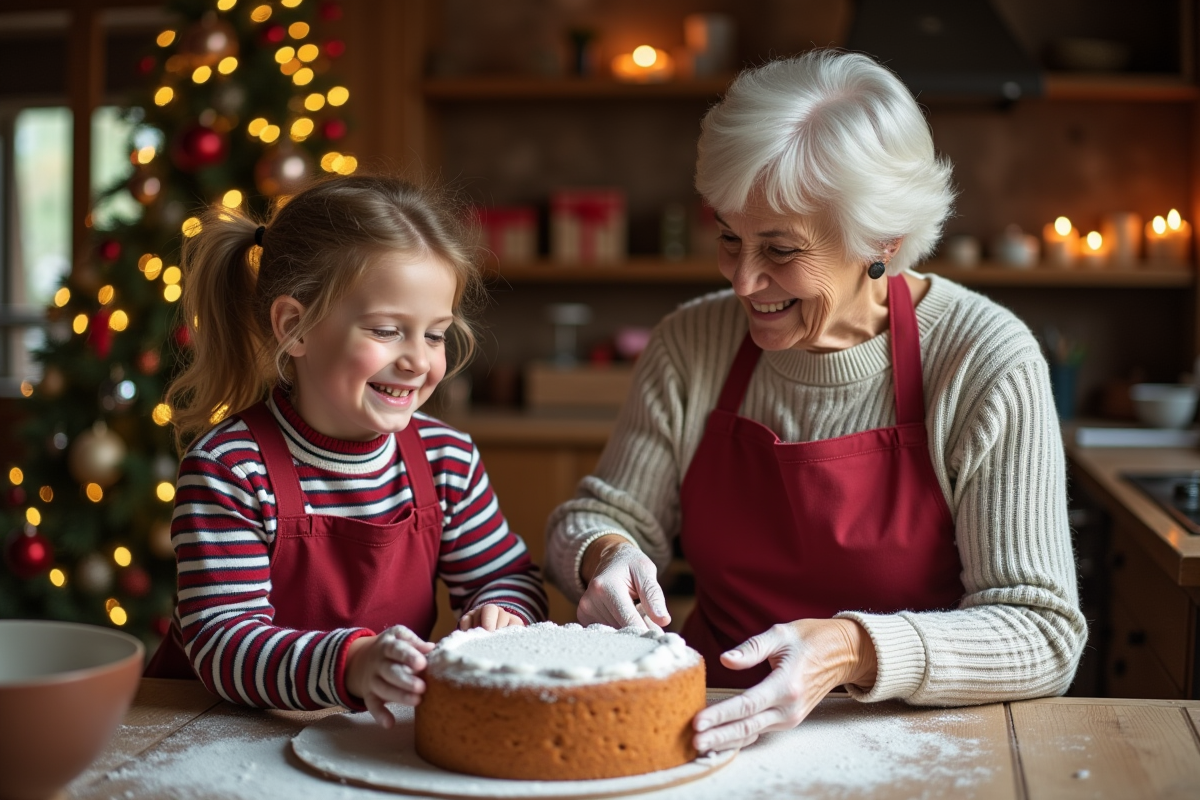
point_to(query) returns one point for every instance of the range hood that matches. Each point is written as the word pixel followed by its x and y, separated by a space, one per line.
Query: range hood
pixel 946 49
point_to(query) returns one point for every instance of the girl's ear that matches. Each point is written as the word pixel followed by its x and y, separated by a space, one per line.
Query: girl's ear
pixel 286 313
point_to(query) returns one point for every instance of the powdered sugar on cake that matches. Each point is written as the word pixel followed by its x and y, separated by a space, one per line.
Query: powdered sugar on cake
pixel 549 655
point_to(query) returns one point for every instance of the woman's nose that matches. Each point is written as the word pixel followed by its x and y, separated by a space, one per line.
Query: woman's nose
pixel 748 277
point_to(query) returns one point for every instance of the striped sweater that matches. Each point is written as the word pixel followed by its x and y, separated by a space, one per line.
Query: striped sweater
pixel 996 448
pixel 224 525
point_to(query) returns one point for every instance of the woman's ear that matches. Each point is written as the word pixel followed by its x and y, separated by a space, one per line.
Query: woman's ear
pixel 286 313
pixel 890 247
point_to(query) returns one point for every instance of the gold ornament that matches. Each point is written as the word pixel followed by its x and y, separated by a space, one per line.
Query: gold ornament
pixel 283 169
pixel 96 456
pixel 206 43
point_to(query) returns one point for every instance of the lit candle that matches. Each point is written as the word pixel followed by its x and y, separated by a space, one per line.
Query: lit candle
pixel 1061 243
pixel 645 64
pixel 1094 253
pixel 1122 232
pixel 1168 240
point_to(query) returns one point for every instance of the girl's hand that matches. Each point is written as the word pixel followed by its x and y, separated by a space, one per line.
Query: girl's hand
pixel 618 575
pixel 490 618
pixel 809 657
pixel 383 669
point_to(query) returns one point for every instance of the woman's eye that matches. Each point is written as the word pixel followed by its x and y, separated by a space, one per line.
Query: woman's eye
pixel 779 252
pixel 728 238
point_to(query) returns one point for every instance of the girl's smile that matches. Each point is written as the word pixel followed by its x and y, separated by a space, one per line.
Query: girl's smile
pixel 379 353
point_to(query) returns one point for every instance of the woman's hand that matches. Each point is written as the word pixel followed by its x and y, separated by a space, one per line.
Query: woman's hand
pixel 617 575
pixel 383 669
pixel 490 618
pixel 808 658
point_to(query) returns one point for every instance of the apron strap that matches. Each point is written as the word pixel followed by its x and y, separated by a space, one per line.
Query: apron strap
pixel 906 353
pixel 281 472
pixel 416 462
pixel 739 376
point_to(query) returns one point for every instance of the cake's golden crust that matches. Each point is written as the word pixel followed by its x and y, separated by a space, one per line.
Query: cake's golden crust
pixel 601 730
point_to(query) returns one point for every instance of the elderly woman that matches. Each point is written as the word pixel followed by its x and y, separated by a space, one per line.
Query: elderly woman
pixel 865 472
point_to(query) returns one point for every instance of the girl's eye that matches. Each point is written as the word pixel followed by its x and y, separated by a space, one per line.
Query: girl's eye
pixel 435 338
pixel 383 333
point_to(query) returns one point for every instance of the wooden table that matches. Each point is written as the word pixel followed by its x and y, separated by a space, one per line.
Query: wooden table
pixel 179 741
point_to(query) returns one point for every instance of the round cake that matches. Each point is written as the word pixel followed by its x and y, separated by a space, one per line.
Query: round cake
pixel 559 703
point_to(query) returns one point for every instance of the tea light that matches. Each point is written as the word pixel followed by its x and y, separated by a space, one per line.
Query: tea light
pixel 645 64
pixel 1094 253
pixel 1122 232
pixel 1168 239
pixel 1060 241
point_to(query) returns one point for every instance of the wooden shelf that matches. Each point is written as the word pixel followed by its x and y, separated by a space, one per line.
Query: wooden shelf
pixel 655 270
pixel 530 88
pixel 1121 87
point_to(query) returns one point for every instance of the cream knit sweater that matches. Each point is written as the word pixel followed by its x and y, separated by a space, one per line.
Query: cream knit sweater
pixel 995 445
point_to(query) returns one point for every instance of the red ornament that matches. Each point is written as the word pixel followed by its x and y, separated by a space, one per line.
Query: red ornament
pixel 198 146
pixel 147 65
pixel 182 337
pixel 109 250
pixel 274 34
pixel 334 48
pixel 15 497
pixel 329 11
pixel 333 129
pixel 134 581
pixel 148 362
pixel 99 334
pixel 28 554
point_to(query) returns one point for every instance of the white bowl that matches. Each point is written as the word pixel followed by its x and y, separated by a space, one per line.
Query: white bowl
pixel 1164 405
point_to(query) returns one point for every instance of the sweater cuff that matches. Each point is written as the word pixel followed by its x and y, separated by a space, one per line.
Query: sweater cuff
pixel 899 653
pixel 344 698
pixel 581 550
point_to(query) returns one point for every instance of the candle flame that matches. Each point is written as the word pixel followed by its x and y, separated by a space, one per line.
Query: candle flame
pixel 645 55
pixel 1174 220
pixel 1159 225
pixel 1062 226
pixel 1094 240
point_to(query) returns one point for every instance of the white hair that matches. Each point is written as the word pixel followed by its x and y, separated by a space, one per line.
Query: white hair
pixel 832 135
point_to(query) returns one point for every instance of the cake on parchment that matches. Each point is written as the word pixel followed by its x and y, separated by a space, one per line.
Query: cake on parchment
pixel 559 703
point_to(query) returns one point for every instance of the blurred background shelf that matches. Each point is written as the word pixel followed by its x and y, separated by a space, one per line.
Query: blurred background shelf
pixel 1121 88
pixel 537 88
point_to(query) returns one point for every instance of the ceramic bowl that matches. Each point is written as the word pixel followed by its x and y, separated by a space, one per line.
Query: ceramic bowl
pixel 1164 405
pixel 64 688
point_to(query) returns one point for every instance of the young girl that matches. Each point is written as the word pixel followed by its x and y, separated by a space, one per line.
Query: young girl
pixel 310 526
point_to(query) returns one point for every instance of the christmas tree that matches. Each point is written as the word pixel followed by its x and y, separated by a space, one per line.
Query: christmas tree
pixel 241 107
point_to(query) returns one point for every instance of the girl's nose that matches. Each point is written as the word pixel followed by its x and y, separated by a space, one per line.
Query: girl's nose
pixel 413 358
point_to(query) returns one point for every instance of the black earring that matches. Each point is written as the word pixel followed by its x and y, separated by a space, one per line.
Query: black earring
pixel 876 270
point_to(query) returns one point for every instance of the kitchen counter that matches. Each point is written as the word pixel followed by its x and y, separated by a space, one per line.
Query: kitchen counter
pixel 1167 544
pixel 179 741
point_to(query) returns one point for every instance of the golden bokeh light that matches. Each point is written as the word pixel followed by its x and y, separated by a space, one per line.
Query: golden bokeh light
pixel 261 13
pixel 256 126
pixel 338 95
pixel 172 275
pixel 201 74
pixel 46 493
pixel 118 616
pixel 62 297
pixel 348 165
pixel 331 161
pixel 80 323
pixel 172 292
pixel 94 492
pixel 105 295
pixel 161 414
pixel 298 30
pixel 16 476
pixel 122 556
pixel 165 38
pixel 33 516
pixel 153 268
pixel 308 52
pixel 232 198
pixel 269 133
pixel 191 226
pixel 58 577
pixel 146 154
pixel 303 77
pixel 119 320
pixel 285 54
pixel 227 65
pixel 165 491
pixel 219 414
pixel 315 101
pixel 26 389
pixel 290 3
pixel 291 67
pixel 163 96
pixel 225 5
pixel 301 128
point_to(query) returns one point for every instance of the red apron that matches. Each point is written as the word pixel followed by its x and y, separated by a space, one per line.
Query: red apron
pixel 778 531
pixel 331 572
